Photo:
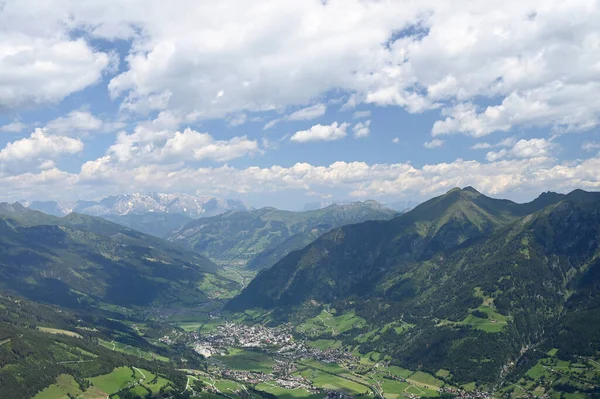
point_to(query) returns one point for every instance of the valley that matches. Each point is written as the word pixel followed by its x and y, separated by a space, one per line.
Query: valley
pixel 452 299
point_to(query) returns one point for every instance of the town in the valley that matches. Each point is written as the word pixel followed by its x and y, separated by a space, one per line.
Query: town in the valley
pixel 289 354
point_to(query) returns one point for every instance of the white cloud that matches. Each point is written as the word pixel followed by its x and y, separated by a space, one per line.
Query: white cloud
pixel 13 127
pixel 75 123
pixel 45 69
pixel 435 143
pixel 237 120
pixel 147 145
pixel 536 61
pixel 508 142
pixel 396 140
pixel 361 114
pixel 590 146
pixel 20 155
pixel 320 132
pixel 362 129
pixel 308 113
pixel 533 148
pixel 304 114
pixel 520 179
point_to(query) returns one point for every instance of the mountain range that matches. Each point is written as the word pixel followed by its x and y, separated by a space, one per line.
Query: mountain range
pixel 257 239
pixel 80 260
pixel 479 280
pixel 152 213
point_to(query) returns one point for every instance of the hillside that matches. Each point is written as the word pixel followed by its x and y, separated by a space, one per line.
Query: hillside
pixel 480 280
pixel 81 260
pixel 259 238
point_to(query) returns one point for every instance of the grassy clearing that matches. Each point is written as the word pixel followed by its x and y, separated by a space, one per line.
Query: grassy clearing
pixel 329 381
pixel 470 387
pixel 58 331
pixel 120 378
pixel 324 344
pixel 399 371
pixel 190 326
pixel 328 322
pixel 240 359
pixel 65 385
pixel 426 380
pixel 442 373
pixel 283 393
pixel 393 389
pixel 494 322
pixel 119 347
pixel 552 352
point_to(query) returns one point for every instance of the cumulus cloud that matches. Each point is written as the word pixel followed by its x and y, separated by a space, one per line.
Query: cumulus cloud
pixel 308 113
pixel 361 114
pixel 13 127
pixel 75 123
pixel 146 145
pixel 524 149
pixel 435 143
pixel 304 114
pixel 332 132
pixel 508 142
pixel 41 70
pixel 520 179
pixel 395 140
pixel 362 129
pixel 534 61
pixel 19 155
pixel 590 146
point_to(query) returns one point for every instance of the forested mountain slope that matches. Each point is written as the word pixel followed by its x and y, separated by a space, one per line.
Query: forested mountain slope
pixel 480 280
pixel 259 238
pixel 78 260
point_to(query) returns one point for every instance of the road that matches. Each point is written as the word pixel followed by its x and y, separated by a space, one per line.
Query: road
pixel 6 341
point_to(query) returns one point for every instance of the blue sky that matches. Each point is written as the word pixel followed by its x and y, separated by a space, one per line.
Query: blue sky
pixel 283 103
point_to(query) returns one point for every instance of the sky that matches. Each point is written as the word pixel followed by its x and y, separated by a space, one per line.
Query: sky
pixel 284 102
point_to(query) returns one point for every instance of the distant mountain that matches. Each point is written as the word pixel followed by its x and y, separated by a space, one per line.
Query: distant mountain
pixel 79 259
pixel 479 280
pixel 139 204
pixel 261 237
pixel 156 224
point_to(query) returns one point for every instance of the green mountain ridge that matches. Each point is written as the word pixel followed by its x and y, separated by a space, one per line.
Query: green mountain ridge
pixel 480 279
pixel 259 238
pixel 79 260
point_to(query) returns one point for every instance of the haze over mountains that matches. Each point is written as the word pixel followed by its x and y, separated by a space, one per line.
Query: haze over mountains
pixel 259 238
pixel 152 213
pixel 140 203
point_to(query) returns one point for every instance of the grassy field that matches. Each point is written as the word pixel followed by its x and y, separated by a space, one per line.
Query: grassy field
pixel 57 331
pixel 399 371
pixel 119 347
pixel 426 380
pixel 551 372
pixel 329 322
pixel 324 344
pixel 283 393
pixel 65 385
pixel 442 373
pixel 494 323
pixel 240 359
pixel 119 378
pixel 393 389
pixel 329 381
